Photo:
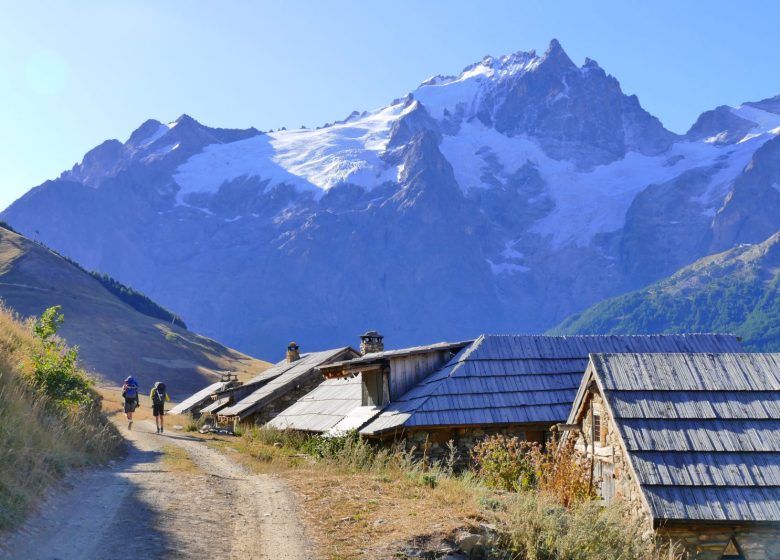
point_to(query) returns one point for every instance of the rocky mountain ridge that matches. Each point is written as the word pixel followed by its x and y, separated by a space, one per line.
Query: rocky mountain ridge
pixel 499 200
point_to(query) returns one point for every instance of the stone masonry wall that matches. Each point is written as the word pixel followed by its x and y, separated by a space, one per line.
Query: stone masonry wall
pixel 610 462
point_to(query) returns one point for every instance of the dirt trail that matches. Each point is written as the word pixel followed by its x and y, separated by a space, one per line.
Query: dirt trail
pixel 143 508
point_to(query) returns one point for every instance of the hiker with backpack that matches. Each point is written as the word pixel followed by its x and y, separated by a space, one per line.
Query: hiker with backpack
pixel 159 395
pixel 130 394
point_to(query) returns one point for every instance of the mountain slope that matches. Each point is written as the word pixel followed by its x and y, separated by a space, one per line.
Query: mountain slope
pixel 737 291
pixel 505 198
pixel 115 340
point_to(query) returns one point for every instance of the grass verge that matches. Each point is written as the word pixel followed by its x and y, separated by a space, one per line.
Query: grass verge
pixel 41 436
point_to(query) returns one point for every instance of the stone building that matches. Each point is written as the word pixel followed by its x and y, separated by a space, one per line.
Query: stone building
pixel 691 442
pixel 519 385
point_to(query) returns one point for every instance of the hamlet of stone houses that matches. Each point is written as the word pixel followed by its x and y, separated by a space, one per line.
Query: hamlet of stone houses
pixel 683 428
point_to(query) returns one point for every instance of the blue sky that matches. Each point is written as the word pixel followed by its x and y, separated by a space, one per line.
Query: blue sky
pixel 79 72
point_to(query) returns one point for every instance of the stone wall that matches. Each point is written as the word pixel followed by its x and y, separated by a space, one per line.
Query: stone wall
pixel 612 476
pixel 708 542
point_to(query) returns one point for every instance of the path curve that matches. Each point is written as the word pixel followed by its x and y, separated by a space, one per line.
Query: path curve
pixel 140 508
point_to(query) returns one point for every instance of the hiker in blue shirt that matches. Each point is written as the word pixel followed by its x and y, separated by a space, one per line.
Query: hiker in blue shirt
pixel 159 395
pixel 130 394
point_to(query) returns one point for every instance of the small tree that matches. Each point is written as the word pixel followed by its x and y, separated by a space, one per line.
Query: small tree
pixel 55 371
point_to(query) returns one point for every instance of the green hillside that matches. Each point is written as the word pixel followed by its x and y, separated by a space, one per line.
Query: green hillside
pixel 118 333
pixel 737 291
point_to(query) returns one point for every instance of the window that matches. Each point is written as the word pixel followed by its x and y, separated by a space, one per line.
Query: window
pixel 597 427
pixel 602 432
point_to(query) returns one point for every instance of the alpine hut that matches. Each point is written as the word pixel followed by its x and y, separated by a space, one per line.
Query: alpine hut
pixel 356 390
pixel 518 385
pixel 691 442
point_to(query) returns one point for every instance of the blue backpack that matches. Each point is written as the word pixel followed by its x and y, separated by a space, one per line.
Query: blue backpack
pixel 131 391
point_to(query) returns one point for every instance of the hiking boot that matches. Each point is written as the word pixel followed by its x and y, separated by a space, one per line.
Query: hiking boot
pixel 158 430
pixel 161 430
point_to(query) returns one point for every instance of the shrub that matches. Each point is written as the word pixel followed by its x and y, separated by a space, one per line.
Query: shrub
pixel 540 528
pixel 511 464
pixel 561 474
pixel 55 372
pixel 505 462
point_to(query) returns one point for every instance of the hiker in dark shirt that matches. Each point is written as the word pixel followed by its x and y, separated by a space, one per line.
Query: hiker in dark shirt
pixel 159 395
pixel 130 394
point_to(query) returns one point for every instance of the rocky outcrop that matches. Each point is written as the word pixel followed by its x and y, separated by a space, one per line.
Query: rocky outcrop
pixel 751 211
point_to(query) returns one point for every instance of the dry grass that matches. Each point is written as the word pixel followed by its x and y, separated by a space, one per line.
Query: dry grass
pixel 38 441
pixel 364 503
pixel 352 513
pixel 366 515
pixel 177 460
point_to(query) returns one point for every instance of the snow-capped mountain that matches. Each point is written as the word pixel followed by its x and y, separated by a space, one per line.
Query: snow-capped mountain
pixel 501 199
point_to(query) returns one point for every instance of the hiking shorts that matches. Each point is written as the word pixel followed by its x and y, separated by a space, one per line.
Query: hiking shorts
pixel 158 409
pixel 131 405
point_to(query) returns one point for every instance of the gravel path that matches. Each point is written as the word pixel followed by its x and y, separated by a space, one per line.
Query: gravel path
pixel 141 508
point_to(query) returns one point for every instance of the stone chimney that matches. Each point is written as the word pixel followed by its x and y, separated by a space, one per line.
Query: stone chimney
pixel 293 353
pixel 371 341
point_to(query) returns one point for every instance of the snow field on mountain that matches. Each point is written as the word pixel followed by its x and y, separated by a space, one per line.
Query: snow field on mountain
pixel 586 202
pixel 311 159
pixel 596 201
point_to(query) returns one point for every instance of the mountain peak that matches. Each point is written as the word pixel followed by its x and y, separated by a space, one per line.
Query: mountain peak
pixel 185 119
pixel 148 130
pixel 556 56
pixel 555 45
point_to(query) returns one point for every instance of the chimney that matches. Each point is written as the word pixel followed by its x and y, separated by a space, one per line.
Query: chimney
pixel 293 353
pixel 370 342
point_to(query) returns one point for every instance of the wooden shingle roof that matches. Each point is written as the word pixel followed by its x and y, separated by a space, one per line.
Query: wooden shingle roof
pixel 279 380
pixel 198 398
pixel 323 408
pixel 702 431
pixel 520 379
